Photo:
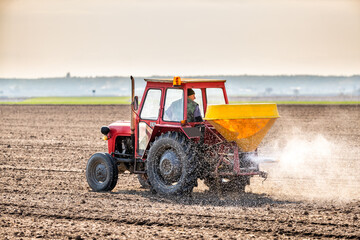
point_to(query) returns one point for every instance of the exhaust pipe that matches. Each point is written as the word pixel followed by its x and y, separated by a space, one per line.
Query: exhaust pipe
pixel 132 126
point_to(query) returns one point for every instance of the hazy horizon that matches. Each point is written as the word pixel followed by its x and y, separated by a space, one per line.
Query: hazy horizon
pixel 239 86
pixel 48 38
pixel 183 76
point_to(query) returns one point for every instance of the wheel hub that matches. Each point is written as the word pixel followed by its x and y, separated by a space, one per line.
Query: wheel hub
pixel 170 166
pixel 100 173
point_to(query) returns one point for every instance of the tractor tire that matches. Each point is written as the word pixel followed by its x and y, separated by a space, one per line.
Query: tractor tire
pixel 144 180
pixel 234 184
pixel 238 184
pixel 101 172
pixel 171 165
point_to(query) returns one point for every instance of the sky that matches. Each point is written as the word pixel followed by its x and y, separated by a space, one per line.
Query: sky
pixel 48 38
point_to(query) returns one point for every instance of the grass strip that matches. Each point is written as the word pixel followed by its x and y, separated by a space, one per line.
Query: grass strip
pixel 302 102
pixel 73 101
pixel 126 100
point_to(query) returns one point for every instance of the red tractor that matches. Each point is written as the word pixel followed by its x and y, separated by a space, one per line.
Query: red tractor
pixel 169 153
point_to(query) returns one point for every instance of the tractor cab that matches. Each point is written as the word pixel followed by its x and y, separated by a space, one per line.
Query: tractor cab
pixel 165 104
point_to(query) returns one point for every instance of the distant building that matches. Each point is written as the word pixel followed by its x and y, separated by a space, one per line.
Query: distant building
pixel 268 91
pixel 296 91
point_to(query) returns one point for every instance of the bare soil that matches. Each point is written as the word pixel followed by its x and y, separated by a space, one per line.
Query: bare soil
pixel 44 193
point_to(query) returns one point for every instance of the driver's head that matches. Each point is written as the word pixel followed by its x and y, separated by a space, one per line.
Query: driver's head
pixel 191 94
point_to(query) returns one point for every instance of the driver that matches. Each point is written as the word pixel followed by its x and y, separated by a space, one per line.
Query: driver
pixel 174 113
pixel 193 110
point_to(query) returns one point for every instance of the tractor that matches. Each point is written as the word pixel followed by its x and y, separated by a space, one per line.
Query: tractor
pixel 170 153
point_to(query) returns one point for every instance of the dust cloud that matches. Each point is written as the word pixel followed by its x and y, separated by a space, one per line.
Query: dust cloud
pixel 312 168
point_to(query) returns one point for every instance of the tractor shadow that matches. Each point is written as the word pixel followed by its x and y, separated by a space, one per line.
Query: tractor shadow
pixel 214 199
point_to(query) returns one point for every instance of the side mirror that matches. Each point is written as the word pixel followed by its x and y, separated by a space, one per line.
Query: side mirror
pixel 135 103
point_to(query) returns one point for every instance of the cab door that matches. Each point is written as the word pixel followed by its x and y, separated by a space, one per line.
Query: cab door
pixel 148 117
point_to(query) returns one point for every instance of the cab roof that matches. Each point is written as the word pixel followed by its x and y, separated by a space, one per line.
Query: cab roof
pixel 183 80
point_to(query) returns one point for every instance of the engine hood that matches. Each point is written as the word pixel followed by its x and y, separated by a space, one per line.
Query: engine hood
pixel 120 128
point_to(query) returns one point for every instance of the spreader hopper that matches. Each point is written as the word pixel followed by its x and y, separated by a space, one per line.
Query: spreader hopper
pixel 246 124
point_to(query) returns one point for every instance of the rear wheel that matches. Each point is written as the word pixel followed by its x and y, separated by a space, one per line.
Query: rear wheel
pixel 171 165
pixel 230 183
pixel 101 172
pixel 233 184
pixel 238 183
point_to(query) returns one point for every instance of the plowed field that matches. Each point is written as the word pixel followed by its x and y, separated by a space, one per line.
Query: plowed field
pixel 312 192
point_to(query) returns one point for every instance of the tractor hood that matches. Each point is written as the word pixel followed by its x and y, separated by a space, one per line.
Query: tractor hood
pixel 246 124
pixel 120 128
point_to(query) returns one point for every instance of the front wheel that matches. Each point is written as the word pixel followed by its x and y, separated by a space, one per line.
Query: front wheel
pixel 171 165
pixel 101 172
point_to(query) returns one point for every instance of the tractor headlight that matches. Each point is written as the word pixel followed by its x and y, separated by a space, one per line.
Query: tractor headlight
pixel 105 130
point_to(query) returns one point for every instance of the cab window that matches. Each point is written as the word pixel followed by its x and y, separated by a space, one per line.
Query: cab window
pixel 199 100
pixel 151 106
pixel 215 96
pixel 145 132
pixel 174 105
